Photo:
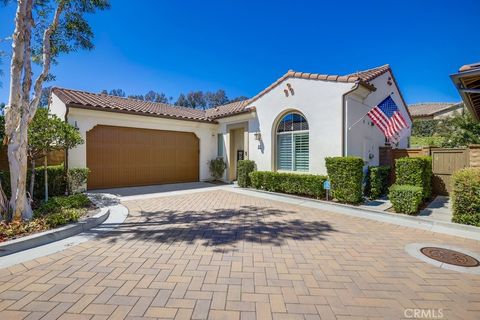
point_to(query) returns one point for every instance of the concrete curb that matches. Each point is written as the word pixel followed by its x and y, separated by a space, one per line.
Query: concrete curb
pixel 450 228
pixel 117 214
pixel 42 238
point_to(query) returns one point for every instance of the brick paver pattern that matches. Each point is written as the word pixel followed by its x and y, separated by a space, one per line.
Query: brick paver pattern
pixel 223 255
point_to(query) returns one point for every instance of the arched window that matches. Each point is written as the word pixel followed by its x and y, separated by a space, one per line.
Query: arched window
pixel 292 143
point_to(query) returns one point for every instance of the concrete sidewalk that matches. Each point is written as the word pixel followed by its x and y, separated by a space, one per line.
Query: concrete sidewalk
pixel 440 209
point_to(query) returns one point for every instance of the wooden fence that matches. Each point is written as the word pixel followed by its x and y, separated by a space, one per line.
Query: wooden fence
pixel 445 162
pixel 54 158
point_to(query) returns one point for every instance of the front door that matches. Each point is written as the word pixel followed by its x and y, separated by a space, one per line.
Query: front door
pixel 237 151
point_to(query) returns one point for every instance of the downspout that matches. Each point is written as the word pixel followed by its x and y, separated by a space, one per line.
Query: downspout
pixel 344 117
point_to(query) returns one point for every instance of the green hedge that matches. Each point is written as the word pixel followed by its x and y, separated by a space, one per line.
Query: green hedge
pixel 346 176
pixel 244 167
pixel 57 183
pixel 406 198
pixel 466 196
pixel 377 181
pixel 291 183
pixel 415 172
pixel 217 168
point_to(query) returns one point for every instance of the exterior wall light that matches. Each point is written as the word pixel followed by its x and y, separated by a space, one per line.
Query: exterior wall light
pixel 258 136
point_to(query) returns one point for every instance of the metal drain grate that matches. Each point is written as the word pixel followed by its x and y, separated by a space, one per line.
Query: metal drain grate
pixel 450 257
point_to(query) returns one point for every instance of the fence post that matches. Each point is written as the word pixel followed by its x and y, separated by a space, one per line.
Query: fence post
pixel 427 151
pixel 474 155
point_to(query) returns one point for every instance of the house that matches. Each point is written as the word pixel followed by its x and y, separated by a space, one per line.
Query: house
pixel 292 125
pixel 435 110
pixel 467 82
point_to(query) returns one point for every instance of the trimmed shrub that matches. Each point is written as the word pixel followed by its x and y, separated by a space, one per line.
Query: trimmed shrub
pixel 77 179
pixel 377 181
pixel 54 204
pixel 244 167
pixel 56 181
pixel 466 196
pixel 415 172
pixel 217 168
pixel 405 198
pixel 291 183
pixel 346 177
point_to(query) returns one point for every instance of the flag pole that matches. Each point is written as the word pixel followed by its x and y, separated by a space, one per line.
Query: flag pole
pixel 349 128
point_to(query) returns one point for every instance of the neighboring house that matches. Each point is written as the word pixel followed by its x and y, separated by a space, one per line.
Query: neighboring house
pixel 290 126
pixel 435 110
pixel 467 82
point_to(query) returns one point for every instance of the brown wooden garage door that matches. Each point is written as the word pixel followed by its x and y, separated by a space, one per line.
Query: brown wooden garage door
pixel 120 157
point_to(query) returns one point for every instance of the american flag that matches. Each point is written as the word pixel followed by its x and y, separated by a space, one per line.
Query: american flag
pixel 388 118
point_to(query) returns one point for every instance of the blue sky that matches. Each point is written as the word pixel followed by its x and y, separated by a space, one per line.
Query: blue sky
pixel 243 46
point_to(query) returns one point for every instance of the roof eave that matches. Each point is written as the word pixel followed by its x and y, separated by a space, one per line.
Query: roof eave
pixel 459 85
pixel 246 110
pixel 144 114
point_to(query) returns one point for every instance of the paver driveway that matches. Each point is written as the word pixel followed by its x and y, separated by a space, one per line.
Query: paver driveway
pixel 224 255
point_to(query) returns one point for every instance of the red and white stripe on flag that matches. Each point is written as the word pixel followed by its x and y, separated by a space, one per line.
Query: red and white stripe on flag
pixel 393 128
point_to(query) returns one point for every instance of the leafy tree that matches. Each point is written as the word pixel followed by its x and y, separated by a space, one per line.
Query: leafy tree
pixel 156 97
pixel 117 93
pixel 239 98
pixel 137 97
pixel 48 133
pixel 459 131
pixel 215 99
pixel 182 101
pixel 43 30
pixel 424 128
pixel 196 100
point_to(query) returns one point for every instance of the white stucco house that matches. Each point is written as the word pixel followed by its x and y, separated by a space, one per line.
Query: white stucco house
pixel 292 125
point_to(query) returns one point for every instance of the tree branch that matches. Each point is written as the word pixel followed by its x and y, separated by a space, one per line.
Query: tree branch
pixel 46 52
pixel 27 61
pixel 12 114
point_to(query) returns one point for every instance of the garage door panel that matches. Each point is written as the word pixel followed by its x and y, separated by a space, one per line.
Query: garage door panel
pixel 120 156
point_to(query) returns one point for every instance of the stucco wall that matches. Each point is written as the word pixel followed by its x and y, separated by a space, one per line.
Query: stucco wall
pixel 231 123
pixel 321 104
pixel 363 138
pixel 57 107
pixel 85 120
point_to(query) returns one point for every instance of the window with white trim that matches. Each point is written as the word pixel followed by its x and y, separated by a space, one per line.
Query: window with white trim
pixel 293 143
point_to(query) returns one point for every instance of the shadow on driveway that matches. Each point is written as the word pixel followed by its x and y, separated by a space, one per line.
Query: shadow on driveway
pixel 217 227
pixel 160 188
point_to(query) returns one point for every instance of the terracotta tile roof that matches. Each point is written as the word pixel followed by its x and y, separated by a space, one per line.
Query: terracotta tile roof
pixel 227 109
pixel 104 102
pixel 362 77
pixel 430 108
pixel 468 67
pixel 370 74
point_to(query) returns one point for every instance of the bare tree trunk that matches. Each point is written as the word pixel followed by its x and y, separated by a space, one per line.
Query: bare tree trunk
pixel 45 165
pixel 17 159
pixel 32 178
pixel 13 113
pixel 20 110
